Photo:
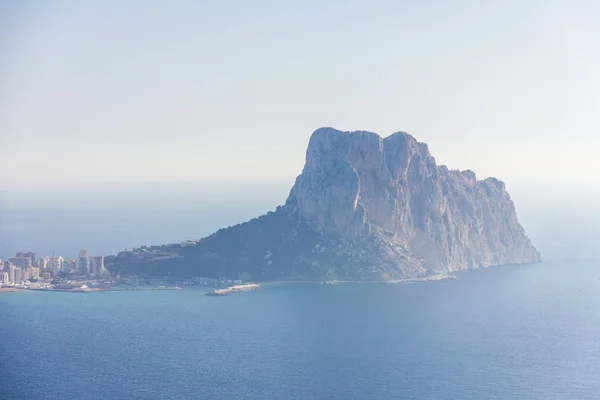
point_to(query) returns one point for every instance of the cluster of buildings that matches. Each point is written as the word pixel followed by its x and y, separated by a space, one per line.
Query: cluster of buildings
pixel 26 271
pixel 24 267
pixel 212 281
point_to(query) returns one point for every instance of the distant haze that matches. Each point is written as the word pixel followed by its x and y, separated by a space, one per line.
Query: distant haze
pixel 102 91
pixel 106 218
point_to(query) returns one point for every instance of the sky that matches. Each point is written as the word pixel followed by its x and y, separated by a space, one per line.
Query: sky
pixel 146 91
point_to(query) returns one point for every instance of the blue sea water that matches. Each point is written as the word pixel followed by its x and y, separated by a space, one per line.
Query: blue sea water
pixel 515 332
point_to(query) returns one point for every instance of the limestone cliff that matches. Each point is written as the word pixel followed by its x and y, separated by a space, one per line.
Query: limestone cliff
pixel 367 208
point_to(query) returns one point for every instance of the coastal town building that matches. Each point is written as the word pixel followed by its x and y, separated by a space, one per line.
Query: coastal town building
pixel 83 263
pixel 4 277
pixel 72 265
pixel 97 265
pixel 34 273
pixel 28 254
pixel 42 263
pixel 18 277
pixel 20 262
pixel 10 270
pixel 55 265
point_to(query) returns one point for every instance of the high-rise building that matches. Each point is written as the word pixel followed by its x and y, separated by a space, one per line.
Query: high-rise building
pixel 83 263
pixel 21 262
pixel 17 275
pixel 42 263
pixel 29 254
pixel 69 266
pixel 10 270
pixel 4 277
pixel 25 274
pixel 55 265
pixel 97 265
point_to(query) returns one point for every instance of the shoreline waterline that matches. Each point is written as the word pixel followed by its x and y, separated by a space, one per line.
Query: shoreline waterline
pixel 10 290
pixel 431 278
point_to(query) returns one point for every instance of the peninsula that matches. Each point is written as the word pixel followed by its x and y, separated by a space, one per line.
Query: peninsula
pixel 364 208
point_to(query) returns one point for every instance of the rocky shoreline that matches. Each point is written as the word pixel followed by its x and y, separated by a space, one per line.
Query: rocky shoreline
pixel 431 278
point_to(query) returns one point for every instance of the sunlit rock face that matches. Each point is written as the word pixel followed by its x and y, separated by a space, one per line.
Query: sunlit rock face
pixel 358 185
pixel 366 208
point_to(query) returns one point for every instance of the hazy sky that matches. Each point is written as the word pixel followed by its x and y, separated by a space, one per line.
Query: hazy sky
pixel 232 90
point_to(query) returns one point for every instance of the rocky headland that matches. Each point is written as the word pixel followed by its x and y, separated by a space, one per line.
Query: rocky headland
pixel 364 208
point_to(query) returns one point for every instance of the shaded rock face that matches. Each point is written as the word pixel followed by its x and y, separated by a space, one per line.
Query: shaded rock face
pixel 367 208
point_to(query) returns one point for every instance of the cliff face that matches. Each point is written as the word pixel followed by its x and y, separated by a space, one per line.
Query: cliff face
pixel 358 184
pixel 368 208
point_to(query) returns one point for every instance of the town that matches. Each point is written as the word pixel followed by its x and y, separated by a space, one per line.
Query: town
pixel 84 274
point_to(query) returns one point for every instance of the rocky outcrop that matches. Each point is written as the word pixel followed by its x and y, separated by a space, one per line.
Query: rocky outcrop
pixel 366 208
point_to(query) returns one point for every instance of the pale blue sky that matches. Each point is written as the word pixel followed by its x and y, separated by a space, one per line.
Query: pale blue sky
pixel 231 90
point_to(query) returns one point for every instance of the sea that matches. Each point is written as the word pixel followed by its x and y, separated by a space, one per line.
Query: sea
pixel 509 332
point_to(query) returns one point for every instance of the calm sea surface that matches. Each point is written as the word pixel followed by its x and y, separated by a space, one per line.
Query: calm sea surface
pixel 527 332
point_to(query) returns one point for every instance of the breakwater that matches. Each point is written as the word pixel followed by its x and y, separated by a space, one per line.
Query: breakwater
pixel 233 289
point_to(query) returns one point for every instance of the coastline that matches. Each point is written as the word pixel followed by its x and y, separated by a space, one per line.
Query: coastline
pixel 86 290
pixel 232 289
pixel 96 290
pixel 10 289
pixel 430 278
